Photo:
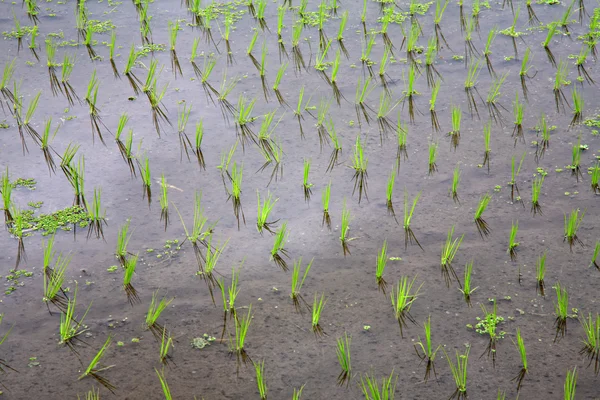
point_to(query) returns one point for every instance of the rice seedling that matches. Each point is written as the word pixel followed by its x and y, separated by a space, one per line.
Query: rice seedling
pixel 380 268
pixel 317 309
pixel 207 68
pixel 333 80
pixel 32 11
pixel 76 179
pixel 402 298
pixel 19 32
pixel 54 279
pixel 297 57
pixel 33 46
pixel 295 294
pixel 163 383
pixel 514 174
pixel 264 210
pixel 123 238
pixel 389 194
pixel 26 119
pixel 487 51
pixel 340 35
pixel 91 395
pixel 409 235
pixel 133 80
pixel 518 112
pixel 263 71
pixel 561 310
pixel 68 90
pixel 81 20
pixel 154 312
pixel 90 99
pixel 7 203
pixel 207 28
pixel 300 107
pixel 595 178
pixel 367 46
pixel 440 8
pixel 359 164
pixel 337 145
pixel 264 140
pixel 591 341
pixel 225 89
pixel 401 135
pixel 410 92
pixel 94 369
pixel 128 271
pixel 363 89
pixel 595 260
pixel 325 201
pixel 67 159
pixel 560 79
pixel 470 50
pixel 475 11
pixel 3 363
pixel 70 327
pixel 281 45
pixel 243 119
pixel 228 23
pixel 523 353
pixel 433 146
pixel 280 73
pixel 546 43
pixel 164 201
pixel 236 191
pixel 570 384
pixel 493 96
pixel 572 223
pixel 159 113
pixel 144 168
pixel 430 56
pixel 322 118
pixel 540 273
pixel 111 54
pixel 454 134
pixel 565 20
pixel 524 71
pixel 580 61
pixel 208 272
pixel 487 133
pixel 482 226
pixel 512 241
pixel 466 288
pixel 344 228
pixel 425 350
pixel 455 182
pixel 372 390
pixel 7 74
pixel 17 228
pixel 278 251
pixel 237 345
pixel 342 351
pixel 45 145
pixel 412 39
pixel 544 143
pixel 449 250
pixel 435 125
pixel 491 325
pixel 96 216
pixel 536 188
pixel 197 236
pixel 578 105
pixel 575 166
pixel 185 143
pixel 88 42
pixel 306 185
pixel 470 85
pixel 173 29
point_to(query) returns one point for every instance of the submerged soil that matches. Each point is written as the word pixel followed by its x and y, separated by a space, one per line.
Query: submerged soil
pixel 279 335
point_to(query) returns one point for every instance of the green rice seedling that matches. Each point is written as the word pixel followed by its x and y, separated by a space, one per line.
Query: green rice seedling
pixel 359 164
pixel 228 23
pixel 389 194
pixel 232 293
pixel 280 25
pixel 111 54
pixel 433 146
pixel 31 107
pixel 409 235
pixel 580 61
pixel 317 309
pixel 53 283
pixel 595 178
pixel 333 80
pixel 243 119
pixel 470 50
pixel 264 210
pixel 425 350
pixel 322 118
pixel 560 79
pixel 159 113
pixel 300 107
pixel 260 15
pixel 144 168
pixel 18 225
pixel 546 43
pixel 263 71
pixel 536 188
pixel 487 133
pixel 225 162
pixel 466 289
pixel 524 71
pixel 518 112
pixel 440 8
pixel 544 143
pixel 70 327
pixel 512 31
pixel 90 99
pixel 565 20
pixel 197 147
pixel 3 363
pixel 591 341
pixel 193 56
pixel 297 392
pixel 380 268
pixel 123 238
pixel 81 20
pixel 595 256
pixel 76 179
pixel 561 309
pixel 363 17
pixel 340 35
pixel 48 247
pixel 96 216
pixel 91 395
pixel 459 373
pixel 410 92
pixel 493 96
pixel 208 272
pixel 45 145
pixel 373 390
pixel 514 174
pixel 133 80
pixel 237 346
pixel 185 144
pixel 487 51
pixel 456 122
pixel 512 241
pixel 482 226
pixel 128 271
pixel 164 201
pixel 154 311
pixel 455 182
pixel 491 318
pixel 225 89
pixel 94 369
pixel 401 135
pixel 278 251
pixel 67 159
pixel 163 384
pixel 412 39
pixel 321 18
pixel 278 78
pixel 123 119
pixel 474 67
pixel 88 42
pixel 540 273
pixel 435 124
pixel 264 140
pixel 306 185
pixel 402 298
pixel 197 236
pixel 68 90
pixel 276 160
pixel 578 105
pixel 259 368
pixel 449 250
pixel 7 74
pixel 297 57
pixel 342 351
pixel 363 89
pixel 236 192
pixel 523 353
pixel 173 29
pixel 325 201
pixel 52 65
pixel 295 294
pixel 337 145
pixel 33 46
pixel 19 32
pixel 7 203
pixel 430 56
pixel 570 384
pixel 32 11
pixel 475 11
pixel 344 228
pixel 572 223
pixel 367 46
pixel 207 68
pixel 575 166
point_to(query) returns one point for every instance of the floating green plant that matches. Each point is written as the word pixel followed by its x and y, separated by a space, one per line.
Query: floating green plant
pixel 489 325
